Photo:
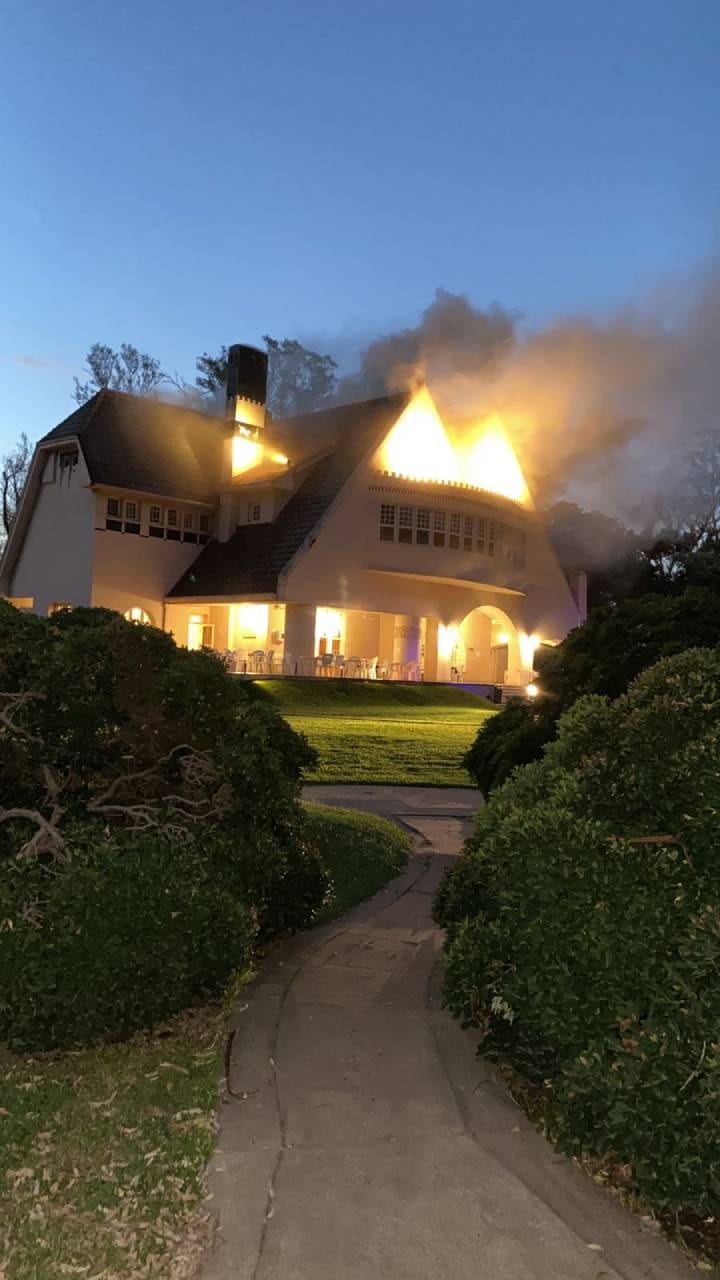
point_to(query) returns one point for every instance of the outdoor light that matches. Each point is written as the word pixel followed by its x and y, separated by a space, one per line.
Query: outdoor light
pixel 532 690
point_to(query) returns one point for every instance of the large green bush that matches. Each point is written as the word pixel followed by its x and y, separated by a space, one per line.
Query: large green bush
pixel 138 783
pixel 584 930
pixel 603 656
pixel 132 931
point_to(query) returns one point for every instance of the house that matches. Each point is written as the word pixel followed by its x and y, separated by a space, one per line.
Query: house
pixel 368 538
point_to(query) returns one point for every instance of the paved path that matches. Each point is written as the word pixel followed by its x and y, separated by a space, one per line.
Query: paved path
pixel 377 1146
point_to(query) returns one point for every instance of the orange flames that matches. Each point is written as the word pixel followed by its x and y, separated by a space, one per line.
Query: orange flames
pixel 419 447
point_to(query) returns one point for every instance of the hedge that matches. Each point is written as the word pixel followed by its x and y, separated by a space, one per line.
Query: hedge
pixel 584 931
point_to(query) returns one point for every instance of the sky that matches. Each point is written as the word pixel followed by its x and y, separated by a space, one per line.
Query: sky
pixel 181 175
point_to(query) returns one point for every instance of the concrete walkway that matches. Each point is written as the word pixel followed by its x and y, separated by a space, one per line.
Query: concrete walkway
pixel 377 1146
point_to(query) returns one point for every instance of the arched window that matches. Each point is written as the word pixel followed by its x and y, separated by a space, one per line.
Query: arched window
pixel 136 614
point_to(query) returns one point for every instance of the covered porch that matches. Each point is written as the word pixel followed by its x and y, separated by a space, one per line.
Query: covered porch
pixel 271 638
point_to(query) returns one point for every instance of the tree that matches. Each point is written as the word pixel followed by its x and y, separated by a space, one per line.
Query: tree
pixel 14 473
pixel 299 380
pixel 602 546
pixel 125 370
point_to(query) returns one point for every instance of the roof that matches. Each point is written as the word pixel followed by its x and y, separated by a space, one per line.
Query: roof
pixel 250 562
pixel 134 442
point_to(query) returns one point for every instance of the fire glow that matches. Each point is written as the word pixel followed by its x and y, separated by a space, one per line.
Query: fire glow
pixel 420 448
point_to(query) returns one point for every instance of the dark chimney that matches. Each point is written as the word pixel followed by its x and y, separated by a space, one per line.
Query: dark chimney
pixel 246 384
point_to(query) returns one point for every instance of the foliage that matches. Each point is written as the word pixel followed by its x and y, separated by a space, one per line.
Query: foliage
pixel 584 930
pixel 599 545
pixel 147 806
pixel 125 370
pixel 359 851
pixel 133 931
pixel 515 736
pixel 603 656
pixel 14 470
pixel 299 380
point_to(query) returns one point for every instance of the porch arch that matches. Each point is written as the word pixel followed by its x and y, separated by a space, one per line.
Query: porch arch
pixel 486 649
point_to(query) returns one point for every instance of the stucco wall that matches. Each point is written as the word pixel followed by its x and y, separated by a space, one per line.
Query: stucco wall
pixel 348 565
pixel 55 563
pixel 135 570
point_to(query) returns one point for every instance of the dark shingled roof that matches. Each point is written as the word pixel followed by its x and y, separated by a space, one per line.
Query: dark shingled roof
pixel 131 442
pixel 251 560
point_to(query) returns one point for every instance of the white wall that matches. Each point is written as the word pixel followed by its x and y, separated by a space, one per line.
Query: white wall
pixel 133 569
pixel 55 564
pixel 348 566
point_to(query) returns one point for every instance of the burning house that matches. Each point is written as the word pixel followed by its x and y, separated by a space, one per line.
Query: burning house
pixel 369 539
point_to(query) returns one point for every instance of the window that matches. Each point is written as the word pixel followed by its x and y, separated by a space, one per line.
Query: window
pixel 491 538
pixel 132 521
pixel 454 539
pixel 439 529
pixel 67 460
pixel 172 532
pixel 136 614
pixel 387 522
pixel 58 608
pixel 188 522
pixel 113 514
pixel 481 536
pixel 204 525
pixel 254 512
pixel 468 533
pixel 422 526
pixel 405 524
pixel 155 526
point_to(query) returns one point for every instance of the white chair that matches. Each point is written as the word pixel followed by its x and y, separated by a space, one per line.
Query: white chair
pixel 371 669
pixel 270 662
pixel 257 662
pixel 353 668
pixel 339 664
pixel 327 662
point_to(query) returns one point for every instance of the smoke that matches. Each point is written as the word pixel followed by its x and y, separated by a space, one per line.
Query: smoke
pixel 602 411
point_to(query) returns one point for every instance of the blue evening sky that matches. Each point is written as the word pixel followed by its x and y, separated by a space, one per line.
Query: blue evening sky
pixel 181 174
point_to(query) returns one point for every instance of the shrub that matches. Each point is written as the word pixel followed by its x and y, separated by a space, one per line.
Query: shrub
pixel 603 656
pixel 154 797
pixel 129 933
pixel 584 930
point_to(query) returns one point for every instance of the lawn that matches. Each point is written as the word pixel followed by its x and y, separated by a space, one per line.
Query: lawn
pixel 383 733
pixel 103 1149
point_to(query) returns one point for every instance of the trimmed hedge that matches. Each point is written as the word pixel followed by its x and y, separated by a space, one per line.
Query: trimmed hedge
pixel 584 930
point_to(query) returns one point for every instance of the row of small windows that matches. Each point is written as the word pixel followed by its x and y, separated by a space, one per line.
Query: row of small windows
pixel 174 524
pixel 427 527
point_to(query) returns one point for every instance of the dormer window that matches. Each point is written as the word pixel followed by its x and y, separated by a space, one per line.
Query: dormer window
pixel 67 460
pixel 172 519
pixel 254 512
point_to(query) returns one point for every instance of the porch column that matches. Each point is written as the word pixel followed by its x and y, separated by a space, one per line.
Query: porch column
pixel 407 637
pixel 299 635
pixel 431 649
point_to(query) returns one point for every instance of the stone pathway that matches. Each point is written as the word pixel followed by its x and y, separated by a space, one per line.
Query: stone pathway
pixel 377 1146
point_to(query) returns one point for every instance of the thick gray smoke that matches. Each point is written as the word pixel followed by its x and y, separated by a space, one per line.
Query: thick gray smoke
pixel 605 412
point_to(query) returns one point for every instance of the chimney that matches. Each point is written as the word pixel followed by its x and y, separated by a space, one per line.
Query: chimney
pixel 246 387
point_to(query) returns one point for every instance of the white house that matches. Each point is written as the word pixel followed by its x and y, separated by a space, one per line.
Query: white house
pixel 369 539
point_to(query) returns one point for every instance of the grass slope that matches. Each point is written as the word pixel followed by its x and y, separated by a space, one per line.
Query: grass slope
pixel 383 733
pixel 360 851
pixel 103 1149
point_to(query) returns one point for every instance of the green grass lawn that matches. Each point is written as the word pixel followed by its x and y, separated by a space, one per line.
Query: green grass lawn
pixel 103 1149
pixel 383 733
